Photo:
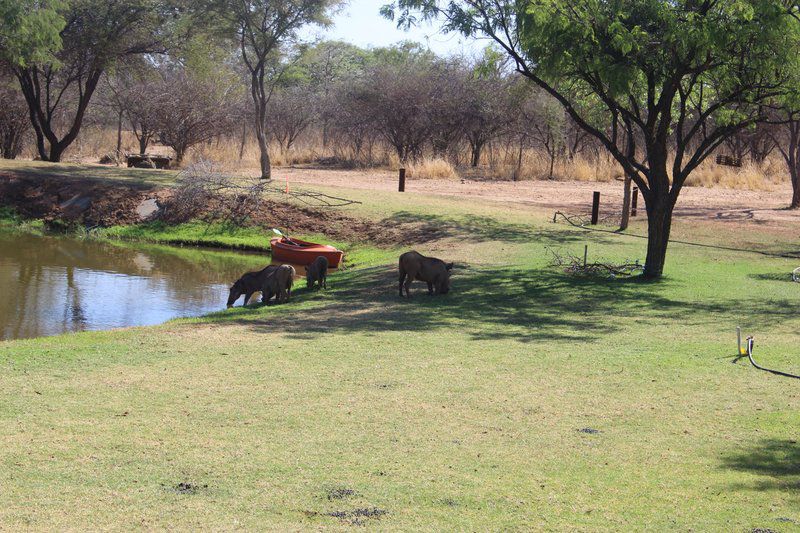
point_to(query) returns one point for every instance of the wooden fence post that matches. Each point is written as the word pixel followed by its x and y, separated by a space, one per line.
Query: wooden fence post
pixel 634 201
pixel 402 186
pixel 595 207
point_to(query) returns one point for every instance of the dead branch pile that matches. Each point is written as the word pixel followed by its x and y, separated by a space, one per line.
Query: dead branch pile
pixel 204 192
pixel 311 198
pixel 577 266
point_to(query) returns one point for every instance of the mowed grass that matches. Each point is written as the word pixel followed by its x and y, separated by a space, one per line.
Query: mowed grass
pixel 524 399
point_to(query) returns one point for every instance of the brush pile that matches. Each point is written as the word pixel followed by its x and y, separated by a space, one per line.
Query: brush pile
pixel 576 266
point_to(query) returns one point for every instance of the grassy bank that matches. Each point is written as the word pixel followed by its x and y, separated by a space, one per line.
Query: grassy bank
pixel 194 233
pixel 524 399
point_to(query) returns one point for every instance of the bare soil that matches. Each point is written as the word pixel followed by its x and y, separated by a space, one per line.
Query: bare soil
pixel 115 204
pixel 91 202
pixel 100 204
pixel 571 196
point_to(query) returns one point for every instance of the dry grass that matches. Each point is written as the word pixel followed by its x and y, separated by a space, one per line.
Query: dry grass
pixel 536 166
pixel 750 176
pixel 227 152
pixel 497 162
pixel 436 168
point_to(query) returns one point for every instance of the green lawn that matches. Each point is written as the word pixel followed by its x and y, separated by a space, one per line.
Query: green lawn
pixel 472 411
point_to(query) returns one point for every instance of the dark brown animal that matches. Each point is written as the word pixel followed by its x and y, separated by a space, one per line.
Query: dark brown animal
pixel 435 272
pixel 317 272
pixel 278 284
pixel 248 284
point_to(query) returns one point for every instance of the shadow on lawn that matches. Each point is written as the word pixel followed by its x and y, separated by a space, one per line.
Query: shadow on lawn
pixel 781 276
pixel 503 302
pixel 483 228
pixel 778 461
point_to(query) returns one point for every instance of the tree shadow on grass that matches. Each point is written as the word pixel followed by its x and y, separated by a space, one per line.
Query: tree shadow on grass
pixel 776 460
pixel 500 303
pixel 482 228
pixel 772 276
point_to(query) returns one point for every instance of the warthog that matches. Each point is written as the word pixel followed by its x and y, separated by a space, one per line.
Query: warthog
pixel 435 272
pixel 317 272
pixel 278 284
pixel 249 284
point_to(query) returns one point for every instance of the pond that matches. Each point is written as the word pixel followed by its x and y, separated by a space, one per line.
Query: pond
pixel 51 285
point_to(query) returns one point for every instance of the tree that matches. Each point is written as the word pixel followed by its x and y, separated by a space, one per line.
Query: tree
pixel 447 110
pixel 14 123
pixel 30 31
pixel 132 94
pixel 290 113
pixel 761 142
pixel 786 135
pixel 544 118
pixel 326 64
pixel 681 75
pixel 192 110
pixel 264 29
pixel 485 112
pixel 756 141
pixel 350 122
pixel 94 36
pixel 398 99
pixel 141 109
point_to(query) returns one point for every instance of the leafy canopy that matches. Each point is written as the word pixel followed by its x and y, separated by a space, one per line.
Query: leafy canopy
pixel 683 71
pixel 30 31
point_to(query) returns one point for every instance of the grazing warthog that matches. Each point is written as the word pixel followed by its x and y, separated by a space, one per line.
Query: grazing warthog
pixel 249 284
pixel 435 272
pixel 278 284
pixel 317 272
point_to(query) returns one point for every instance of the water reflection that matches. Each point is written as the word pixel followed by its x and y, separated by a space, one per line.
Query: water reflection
pixel 51 285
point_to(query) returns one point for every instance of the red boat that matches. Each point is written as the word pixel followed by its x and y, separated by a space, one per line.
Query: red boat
pixel 303 253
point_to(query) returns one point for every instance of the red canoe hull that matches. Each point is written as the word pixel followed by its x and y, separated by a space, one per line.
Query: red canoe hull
pixel 304 253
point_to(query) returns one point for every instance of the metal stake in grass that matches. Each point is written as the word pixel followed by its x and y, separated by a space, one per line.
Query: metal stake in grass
pixel 585 254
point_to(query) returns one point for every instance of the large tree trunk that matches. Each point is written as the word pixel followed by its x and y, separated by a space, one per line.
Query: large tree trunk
pixel 38 101
pixel 794 171
pixel 626 204
pixel 659 223
pixel 792 157
pixel 57 151
pixel 260 100
pixel 476 153
pixel 11 142
pixel 266 169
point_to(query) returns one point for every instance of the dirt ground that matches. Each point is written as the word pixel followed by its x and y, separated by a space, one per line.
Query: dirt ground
pixel 116 204
pixel 569 196
pixel 91 202
pixel 94 203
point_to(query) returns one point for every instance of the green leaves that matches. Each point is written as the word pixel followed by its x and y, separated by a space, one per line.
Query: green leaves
pixel 30 31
